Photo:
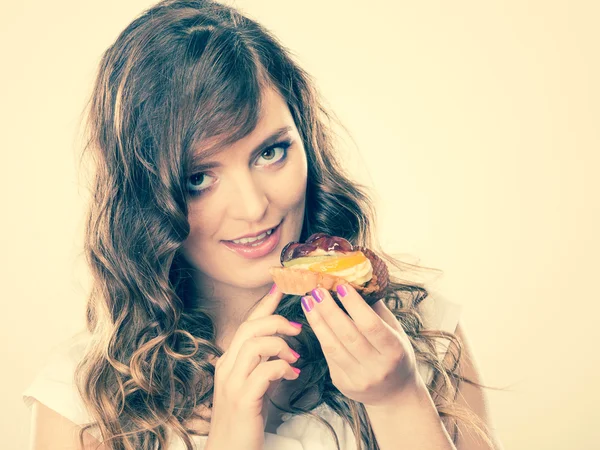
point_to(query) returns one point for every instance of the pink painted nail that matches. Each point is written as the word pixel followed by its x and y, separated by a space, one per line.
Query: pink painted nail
pixel 341 289
pixel 317 295
pixel 296 324
pixel 273 288
pixel 295 369
pixel 296 355
pixel 307 303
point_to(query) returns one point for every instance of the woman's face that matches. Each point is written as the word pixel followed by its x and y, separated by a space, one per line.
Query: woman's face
pixel 249 189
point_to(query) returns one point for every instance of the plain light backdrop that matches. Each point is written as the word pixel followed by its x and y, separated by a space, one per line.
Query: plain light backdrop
pixel 476 124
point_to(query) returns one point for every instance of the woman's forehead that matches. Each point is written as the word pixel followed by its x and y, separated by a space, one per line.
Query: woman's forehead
pixel 273 121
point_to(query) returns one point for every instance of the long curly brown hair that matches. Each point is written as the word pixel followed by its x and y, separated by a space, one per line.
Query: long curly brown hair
pixel 180 73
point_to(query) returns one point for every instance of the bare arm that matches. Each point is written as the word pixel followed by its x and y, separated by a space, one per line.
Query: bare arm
pixel 51 431
pixel 414 422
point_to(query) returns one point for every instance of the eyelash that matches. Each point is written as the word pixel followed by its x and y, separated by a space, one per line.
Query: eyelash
pixel 285 145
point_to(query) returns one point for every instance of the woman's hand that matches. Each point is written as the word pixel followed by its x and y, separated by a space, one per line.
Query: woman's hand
pixel 243 374
pixel 370 357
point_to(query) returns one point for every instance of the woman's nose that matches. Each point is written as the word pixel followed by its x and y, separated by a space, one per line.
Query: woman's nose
pixel 248 199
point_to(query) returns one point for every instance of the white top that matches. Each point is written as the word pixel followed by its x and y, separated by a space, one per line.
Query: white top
pixel 54 387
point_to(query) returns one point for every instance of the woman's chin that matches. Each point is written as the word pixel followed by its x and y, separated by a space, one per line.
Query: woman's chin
pixel 257 278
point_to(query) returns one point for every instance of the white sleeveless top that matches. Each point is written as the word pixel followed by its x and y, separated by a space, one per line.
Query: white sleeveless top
pixel 54 386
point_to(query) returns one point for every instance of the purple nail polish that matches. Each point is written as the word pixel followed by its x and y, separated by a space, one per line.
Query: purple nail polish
pixel 341 289
pixel 317 295
pixel 307 303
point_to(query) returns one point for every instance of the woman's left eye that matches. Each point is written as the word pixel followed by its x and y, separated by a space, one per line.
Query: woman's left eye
pixel 270 153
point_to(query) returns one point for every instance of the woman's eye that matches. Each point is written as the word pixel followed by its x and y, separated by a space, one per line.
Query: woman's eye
pixel 270 154
pixel 196 183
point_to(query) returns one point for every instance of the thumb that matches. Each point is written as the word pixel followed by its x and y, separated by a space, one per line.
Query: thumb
pixel 388 317
pixel 272 389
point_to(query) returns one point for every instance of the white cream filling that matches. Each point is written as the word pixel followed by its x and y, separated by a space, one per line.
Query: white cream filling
pixel 359 274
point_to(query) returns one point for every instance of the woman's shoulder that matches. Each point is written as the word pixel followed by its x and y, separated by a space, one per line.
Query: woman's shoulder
pixel 439 312
pixel 54 385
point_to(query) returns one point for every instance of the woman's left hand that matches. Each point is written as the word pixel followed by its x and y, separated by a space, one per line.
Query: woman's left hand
pixel 370 357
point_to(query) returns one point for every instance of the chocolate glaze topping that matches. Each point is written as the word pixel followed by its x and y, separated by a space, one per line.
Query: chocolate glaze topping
pixel 316 241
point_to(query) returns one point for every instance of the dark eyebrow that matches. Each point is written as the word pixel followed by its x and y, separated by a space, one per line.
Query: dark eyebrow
pixel 199 165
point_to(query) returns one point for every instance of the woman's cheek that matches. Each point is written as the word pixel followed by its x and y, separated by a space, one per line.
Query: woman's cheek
pixel 293 180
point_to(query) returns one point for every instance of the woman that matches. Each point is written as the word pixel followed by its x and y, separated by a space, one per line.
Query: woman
pixel 204 131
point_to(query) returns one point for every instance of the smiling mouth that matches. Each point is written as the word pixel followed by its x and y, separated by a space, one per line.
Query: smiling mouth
pixel 259 248
pixel 257 239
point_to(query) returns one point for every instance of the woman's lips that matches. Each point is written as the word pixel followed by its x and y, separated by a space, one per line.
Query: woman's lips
pixel 262 249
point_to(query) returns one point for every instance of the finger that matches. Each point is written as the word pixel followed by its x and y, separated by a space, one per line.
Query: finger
pixel 376 330
pixel 268 304
pixel 261 378
pixel 343 326
pixel 253 350
pixel 263 326
pixel 333 350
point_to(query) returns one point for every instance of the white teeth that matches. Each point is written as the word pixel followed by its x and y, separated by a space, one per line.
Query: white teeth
pixel 249 240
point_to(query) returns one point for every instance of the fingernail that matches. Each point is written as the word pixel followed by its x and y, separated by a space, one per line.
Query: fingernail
pixel 296 324
pixel 341 289
pixel 317 295
pixel 295 369
pixel 273 288
pixel 296 355
pixel 307 303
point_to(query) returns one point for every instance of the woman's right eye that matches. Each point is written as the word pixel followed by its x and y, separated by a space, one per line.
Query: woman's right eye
pixel 196 183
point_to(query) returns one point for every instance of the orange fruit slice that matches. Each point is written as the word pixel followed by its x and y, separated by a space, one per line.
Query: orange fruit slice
pixel 340 263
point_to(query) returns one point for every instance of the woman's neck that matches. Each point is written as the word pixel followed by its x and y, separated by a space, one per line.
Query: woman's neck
pixel 228 305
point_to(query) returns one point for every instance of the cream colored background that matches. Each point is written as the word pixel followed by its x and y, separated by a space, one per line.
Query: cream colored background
pixel 477 124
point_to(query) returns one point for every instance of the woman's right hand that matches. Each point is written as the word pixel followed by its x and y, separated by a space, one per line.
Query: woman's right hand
pixel 243 374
